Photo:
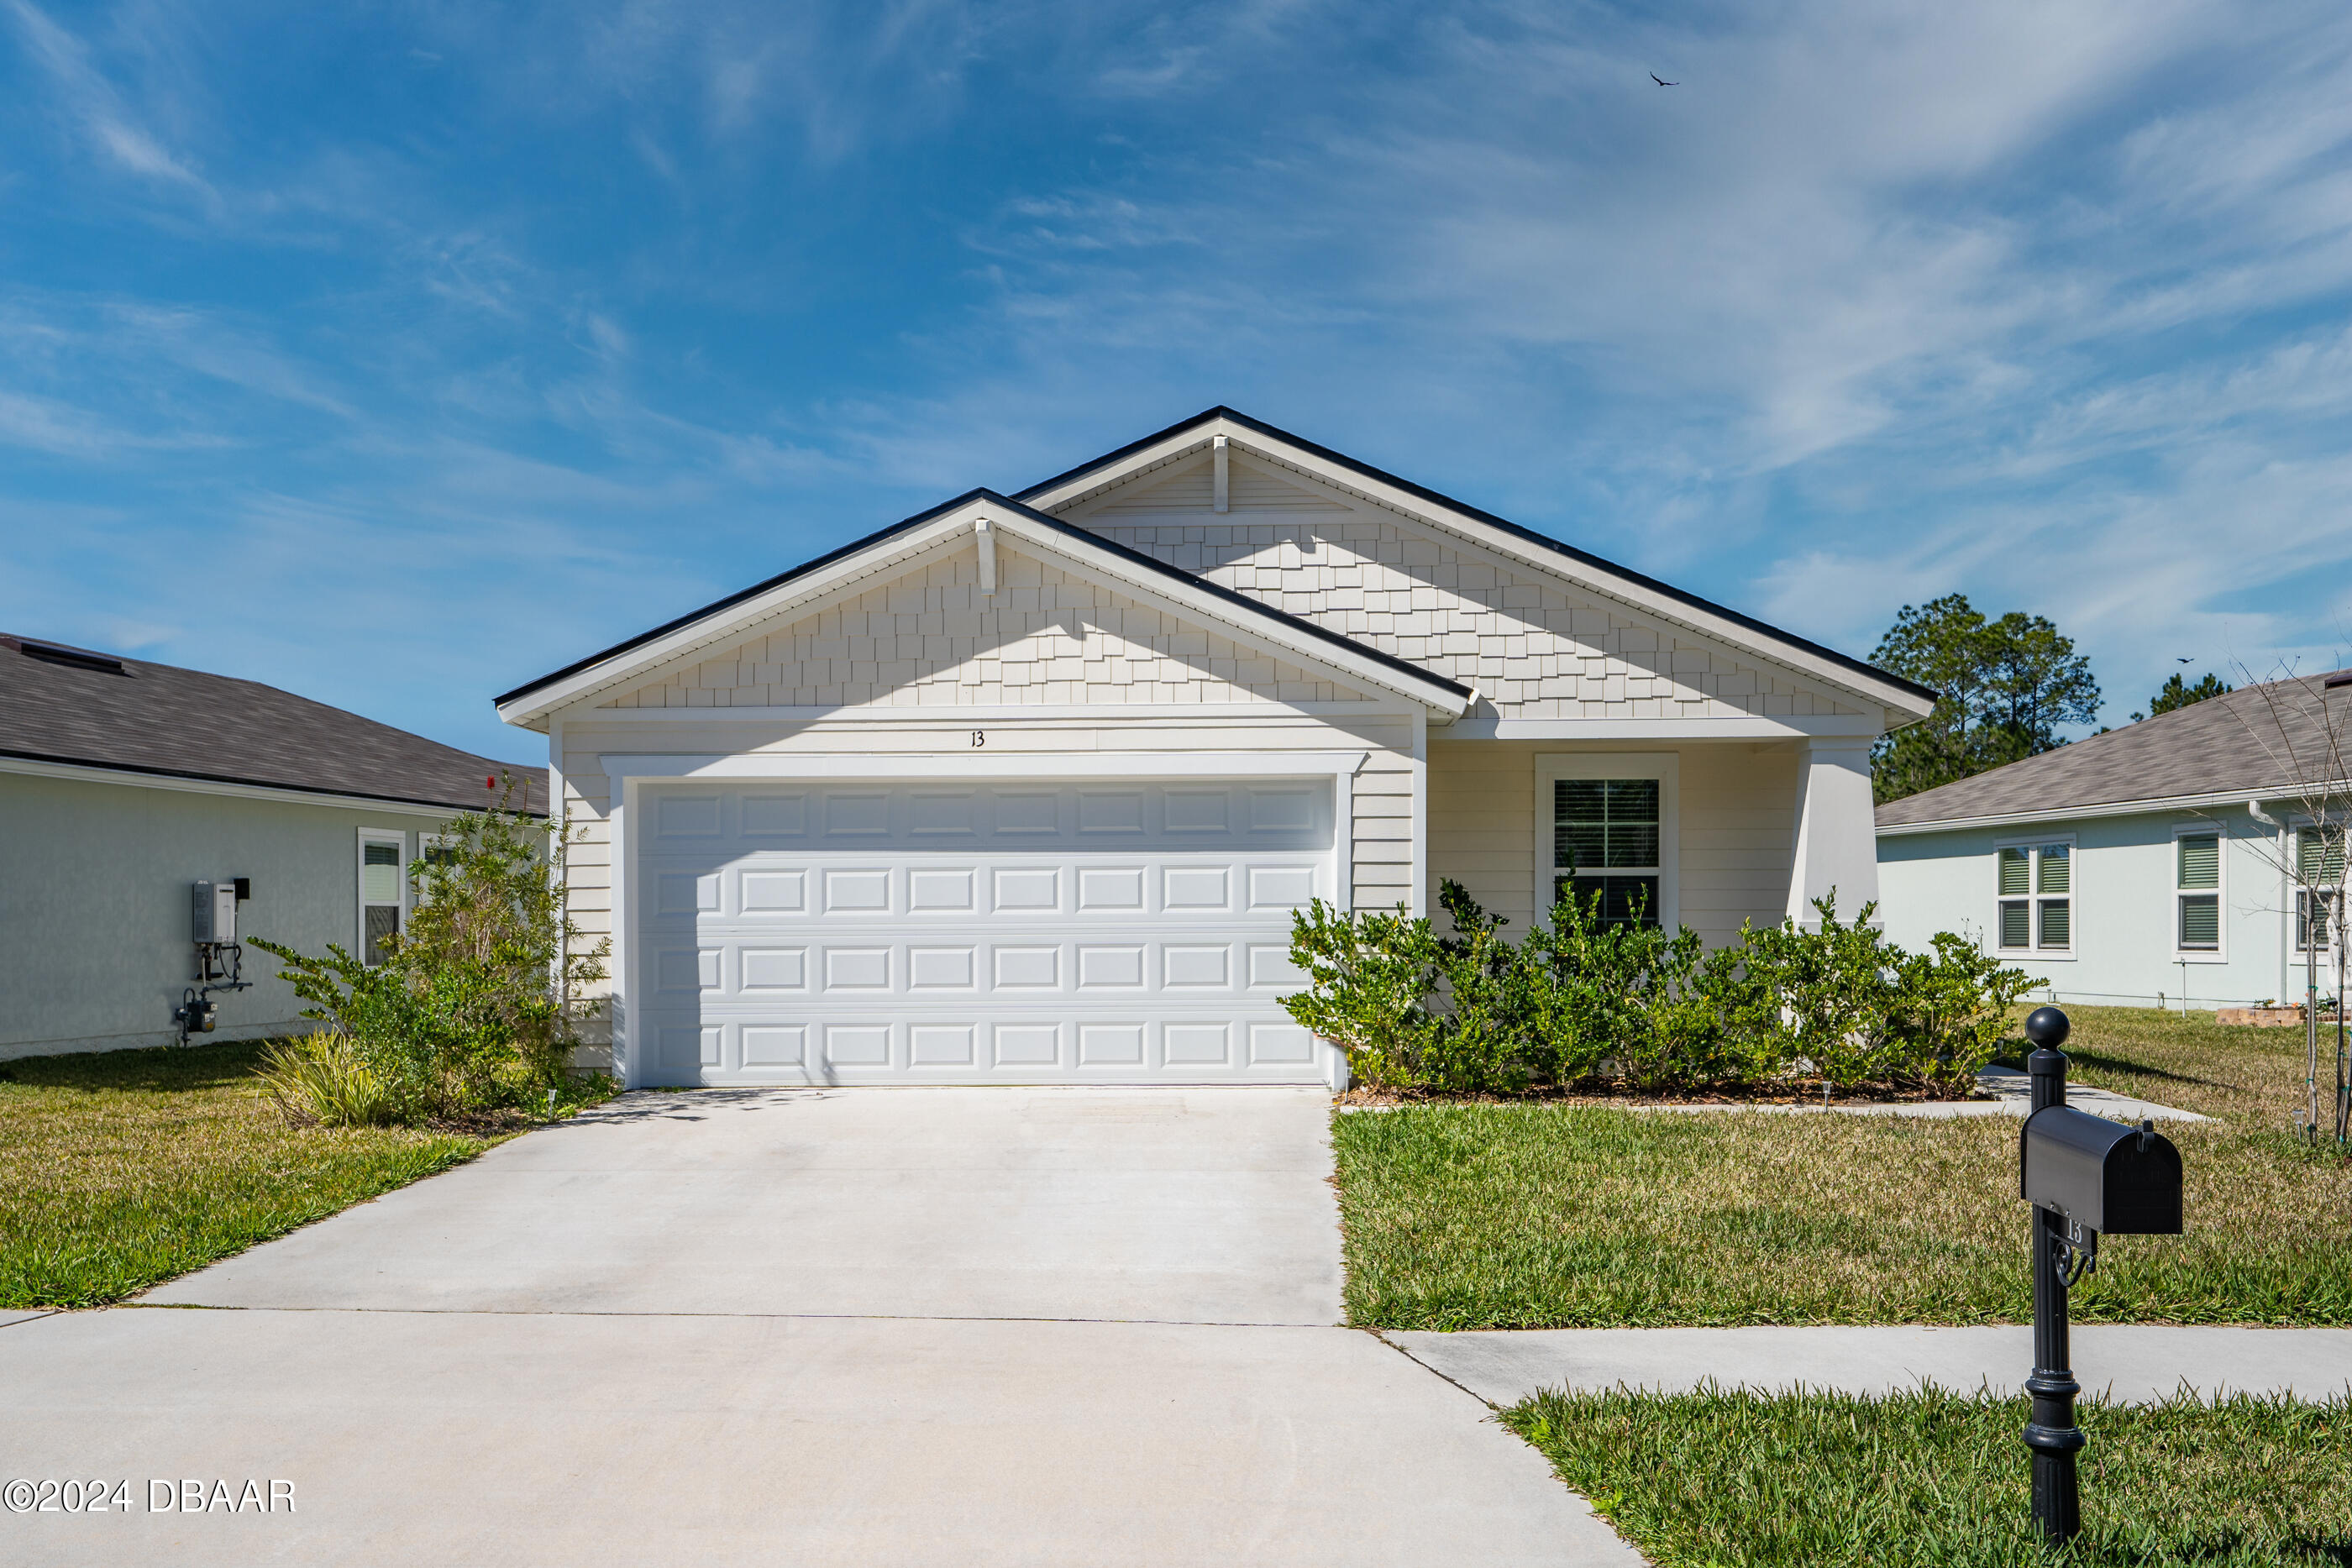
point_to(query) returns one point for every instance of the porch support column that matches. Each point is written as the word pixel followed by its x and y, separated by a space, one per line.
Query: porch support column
pixel 1837 832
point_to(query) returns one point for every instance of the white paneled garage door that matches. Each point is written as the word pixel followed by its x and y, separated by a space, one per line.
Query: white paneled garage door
pixel 1019 932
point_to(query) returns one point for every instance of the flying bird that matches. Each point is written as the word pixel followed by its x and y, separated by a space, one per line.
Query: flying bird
pixel 2184 661
pixel 1663 81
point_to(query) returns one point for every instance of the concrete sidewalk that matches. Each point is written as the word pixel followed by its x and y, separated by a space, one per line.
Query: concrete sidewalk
pixel 2127 1362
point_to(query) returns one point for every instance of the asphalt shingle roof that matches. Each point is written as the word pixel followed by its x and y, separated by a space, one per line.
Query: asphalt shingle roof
pixel 2264 740
pixel 159 718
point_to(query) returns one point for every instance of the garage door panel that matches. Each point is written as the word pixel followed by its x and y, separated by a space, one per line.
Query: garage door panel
pixel 775 1045
pixel 772 970
pixel 1110 966
pixel 860 1044
pixel 1030 967
pixel 777 892
pixel 1026 1043
pixel 941 890
pixel 1024 933
pixel 775 816
pixel 1196 889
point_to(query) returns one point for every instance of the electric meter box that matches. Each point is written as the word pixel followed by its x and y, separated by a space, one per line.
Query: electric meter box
pixel 215 911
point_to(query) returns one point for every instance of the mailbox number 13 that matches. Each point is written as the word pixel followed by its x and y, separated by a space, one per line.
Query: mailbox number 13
pixel 980 738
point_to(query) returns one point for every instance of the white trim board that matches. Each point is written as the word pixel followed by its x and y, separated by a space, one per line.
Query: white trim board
pixel 90 774
pixel 1744 727
pixel 953 715
pixel 1012 765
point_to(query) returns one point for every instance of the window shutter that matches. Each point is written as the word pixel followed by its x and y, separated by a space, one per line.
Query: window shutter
pixel 2057 923
pixel 2319 856
pixel 2016 921
pixel 2200 861
pixel 2013 872
pixel 2056 867
pixel 2201 921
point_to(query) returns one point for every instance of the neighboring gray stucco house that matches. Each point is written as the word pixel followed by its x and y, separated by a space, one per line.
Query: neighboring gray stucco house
pixel 2151 863
pixel 122 783
pixel 1024 788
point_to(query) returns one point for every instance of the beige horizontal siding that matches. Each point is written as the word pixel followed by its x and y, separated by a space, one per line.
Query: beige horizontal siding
pixel 1737 820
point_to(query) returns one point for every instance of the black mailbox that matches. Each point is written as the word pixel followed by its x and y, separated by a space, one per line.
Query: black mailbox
pixel 2100 1175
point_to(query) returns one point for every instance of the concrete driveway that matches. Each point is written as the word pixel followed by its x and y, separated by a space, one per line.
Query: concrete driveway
pixel 980 1326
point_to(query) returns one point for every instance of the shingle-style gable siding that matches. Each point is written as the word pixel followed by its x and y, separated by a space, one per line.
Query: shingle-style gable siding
pixel 931 638
pixel 1532 646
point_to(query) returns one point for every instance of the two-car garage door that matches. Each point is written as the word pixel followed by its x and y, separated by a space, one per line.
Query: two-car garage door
pixel 1013 932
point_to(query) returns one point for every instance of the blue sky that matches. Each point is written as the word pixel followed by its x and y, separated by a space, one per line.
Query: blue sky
pixel 398 356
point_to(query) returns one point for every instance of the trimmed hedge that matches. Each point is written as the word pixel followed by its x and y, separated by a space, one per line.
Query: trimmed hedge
pixel 1581 1002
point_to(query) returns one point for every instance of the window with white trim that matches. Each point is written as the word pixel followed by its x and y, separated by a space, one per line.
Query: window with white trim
pixel 2197 891
pixel 2035 884
pixel 434 848
pixel 1606 834
pixel 2318 864
pixel 383 888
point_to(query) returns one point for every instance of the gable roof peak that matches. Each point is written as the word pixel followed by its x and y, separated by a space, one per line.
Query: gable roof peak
pixel 1593 571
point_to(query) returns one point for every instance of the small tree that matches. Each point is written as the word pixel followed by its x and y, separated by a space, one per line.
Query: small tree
pixel 481 997
pixel 492 900
pixel 2302 728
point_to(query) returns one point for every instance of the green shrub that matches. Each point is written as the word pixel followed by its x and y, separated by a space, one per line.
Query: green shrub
pixel 321 1081
pixel 1583 1000
pixel 475 1003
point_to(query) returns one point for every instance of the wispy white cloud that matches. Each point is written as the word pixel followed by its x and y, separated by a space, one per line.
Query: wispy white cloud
pixel 94 106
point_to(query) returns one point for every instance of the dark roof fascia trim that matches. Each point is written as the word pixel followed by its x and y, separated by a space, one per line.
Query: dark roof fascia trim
pixel 1283 618
pixel 1529 536
pixel 254 783
pixel 757 589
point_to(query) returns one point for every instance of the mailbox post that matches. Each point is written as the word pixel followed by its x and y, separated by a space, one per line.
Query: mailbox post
pixel 2050 1433
pixel 2083 1174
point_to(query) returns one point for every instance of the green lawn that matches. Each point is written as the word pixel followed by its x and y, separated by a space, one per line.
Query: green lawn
pixel 1537 1216
pixel 1740 1480
pixel 123 1168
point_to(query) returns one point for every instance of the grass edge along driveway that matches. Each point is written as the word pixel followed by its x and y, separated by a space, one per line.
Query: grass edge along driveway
pixel 1544 1216
pixel 122 1169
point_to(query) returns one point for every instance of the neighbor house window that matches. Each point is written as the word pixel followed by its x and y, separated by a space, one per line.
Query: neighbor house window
pixel 2318 866
pixel 1606 835
pixel 431 850
pixel 381 886
pixel 2036 887
pixel 2198 884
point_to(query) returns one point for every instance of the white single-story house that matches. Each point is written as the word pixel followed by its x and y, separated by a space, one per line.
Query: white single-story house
pixel 1025 788
pixel 124 784
pixel 2162 863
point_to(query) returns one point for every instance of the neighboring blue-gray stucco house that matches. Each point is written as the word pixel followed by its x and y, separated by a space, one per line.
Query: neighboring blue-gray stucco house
pixel 123 783
pixel 2163 863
